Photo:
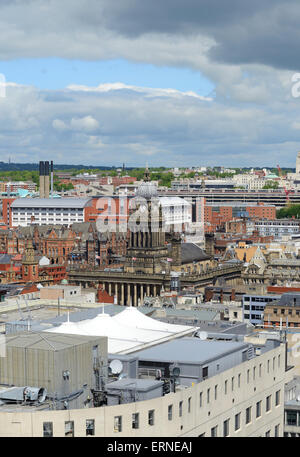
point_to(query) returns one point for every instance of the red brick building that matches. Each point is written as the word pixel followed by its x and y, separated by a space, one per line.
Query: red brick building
pixel 81 243
pixel 216 216
pixel 55 244
pixel 113 210
pixel 6 212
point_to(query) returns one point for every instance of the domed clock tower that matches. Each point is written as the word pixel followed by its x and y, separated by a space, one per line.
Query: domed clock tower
pixel 147 252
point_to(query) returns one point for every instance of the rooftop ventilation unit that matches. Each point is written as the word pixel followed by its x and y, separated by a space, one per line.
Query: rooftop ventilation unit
pixel 23 394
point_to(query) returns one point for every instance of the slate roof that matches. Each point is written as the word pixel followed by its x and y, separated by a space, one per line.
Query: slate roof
pixel 5 258
pixel 289 299
pixel 191 252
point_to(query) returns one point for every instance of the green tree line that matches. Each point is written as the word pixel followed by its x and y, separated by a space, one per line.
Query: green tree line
pixel 291 211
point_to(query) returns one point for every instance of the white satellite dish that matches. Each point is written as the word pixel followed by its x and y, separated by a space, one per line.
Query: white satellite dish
pixel 203 335
pixel 116 366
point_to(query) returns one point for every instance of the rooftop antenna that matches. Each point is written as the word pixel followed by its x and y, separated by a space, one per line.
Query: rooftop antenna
pixel 19 308
pixel 29 314
pixel 58 306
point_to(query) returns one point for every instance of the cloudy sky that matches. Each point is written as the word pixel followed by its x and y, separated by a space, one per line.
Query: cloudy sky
pixel 168 82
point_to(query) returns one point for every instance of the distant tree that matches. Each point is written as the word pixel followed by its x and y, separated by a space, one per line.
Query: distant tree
pixel 291 211
pixel 271 185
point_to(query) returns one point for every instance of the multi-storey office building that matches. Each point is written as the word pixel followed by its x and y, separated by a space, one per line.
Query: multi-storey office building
pixel 42 211
pixel 192 184
pixel 254 307
pixel 277 227
pixel 216 215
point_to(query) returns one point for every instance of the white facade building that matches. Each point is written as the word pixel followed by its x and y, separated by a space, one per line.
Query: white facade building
pixel 277 227
pixel 176 211
pixel 41 211
pixel 249 181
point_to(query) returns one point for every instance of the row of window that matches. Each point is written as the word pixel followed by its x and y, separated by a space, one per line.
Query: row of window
pixel 268 406
pixel 254 308
pixel 290 311
pixel 135 419
pixel 248 416
pixel 90 425
pixel 254 316
pixel 214 430
pixel 30 210
pixel 258 299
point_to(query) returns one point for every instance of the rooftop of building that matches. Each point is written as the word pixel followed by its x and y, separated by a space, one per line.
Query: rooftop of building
pixel 71 202
pixel 127 331
pixel 46 341
pixel 5 258
pixel 141 385
pixel 190 350
pixel 288 299
pixel 213 326
pixel 240 204
pixel 191 252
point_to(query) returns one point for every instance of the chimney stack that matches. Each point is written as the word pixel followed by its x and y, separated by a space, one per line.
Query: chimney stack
pixel 42 179
pixel 47 184
pixel 51 170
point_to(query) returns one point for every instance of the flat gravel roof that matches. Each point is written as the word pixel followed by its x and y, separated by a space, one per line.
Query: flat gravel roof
pixel 190 350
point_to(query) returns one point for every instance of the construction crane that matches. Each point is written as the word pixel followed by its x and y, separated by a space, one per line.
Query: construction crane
pixel 287 192
pixel 279 171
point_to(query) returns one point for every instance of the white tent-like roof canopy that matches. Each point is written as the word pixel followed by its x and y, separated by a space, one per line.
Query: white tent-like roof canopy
pixel 133 318
pixel 127 331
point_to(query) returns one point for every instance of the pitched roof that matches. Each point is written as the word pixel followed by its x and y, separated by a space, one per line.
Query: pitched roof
pixel 191 252
pixel 5 258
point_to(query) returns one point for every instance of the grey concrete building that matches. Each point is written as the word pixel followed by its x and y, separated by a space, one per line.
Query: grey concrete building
pixel 62 364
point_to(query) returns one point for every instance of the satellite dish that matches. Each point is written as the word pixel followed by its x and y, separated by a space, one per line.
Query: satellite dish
pixel 203 335
pixel 116 366
pixel 176 372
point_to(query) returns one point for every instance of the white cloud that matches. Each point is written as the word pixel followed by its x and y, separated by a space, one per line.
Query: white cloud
pixel 129 125
pixel 85 124
pixel 58 124
pixel 147 91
